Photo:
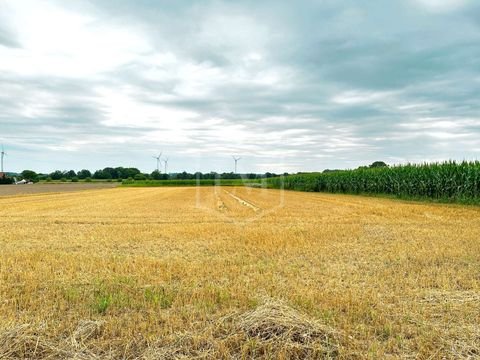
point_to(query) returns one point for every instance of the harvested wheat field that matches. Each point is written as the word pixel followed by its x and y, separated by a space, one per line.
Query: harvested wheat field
pixel 147 273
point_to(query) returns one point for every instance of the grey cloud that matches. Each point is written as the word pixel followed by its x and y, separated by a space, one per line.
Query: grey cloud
pixel 403 64
pixel 7 40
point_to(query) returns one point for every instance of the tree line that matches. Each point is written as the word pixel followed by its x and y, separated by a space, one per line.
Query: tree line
pixel 122 173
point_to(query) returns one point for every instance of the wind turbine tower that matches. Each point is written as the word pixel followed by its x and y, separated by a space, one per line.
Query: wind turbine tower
pixel 3 153
pixel 236 160
pixel 158 160
pixel 165 162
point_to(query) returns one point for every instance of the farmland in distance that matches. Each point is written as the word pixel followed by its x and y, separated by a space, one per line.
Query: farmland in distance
pixel 239 272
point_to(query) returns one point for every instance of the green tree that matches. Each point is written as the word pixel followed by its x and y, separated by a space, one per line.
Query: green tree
pixel 70 174
pixel 156 175
pixel 100 174
pixel 83 174
pixel 56 175
pixel 378 164
pixel 140 177
pixel 30 175
pixel 110 173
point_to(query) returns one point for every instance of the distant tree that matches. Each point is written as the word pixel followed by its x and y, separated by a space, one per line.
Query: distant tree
pixel 110 173
pixel 377 164
pixel 140 177
pixel 70 174
pixel 330 170
pixel 56 175
pixel 157 175
pixel 30 175
pixel 269 175
pixel 211 175
pixel 121 173
pixel 184 176
pixel 130 172
pixel 100 174
pixel 83 174
pixel 74 179
pixel 229 175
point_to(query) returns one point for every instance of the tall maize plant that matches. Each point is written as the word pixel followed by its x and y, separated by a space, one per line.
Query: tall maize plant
pixel 449 181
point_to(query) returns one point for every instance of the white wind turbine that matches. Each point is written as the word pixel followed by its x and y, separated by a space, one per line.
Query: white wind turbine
pixel 158 160
pixel 165 162
pixel 236 160
pixel 3 153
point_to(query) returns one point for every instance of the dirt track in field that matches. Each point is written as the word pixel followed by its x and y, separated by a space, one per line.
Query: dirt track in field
pixel 9 190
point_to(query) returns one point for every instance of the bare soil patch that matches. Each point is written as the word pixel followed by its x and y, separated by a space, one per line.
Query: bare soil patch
pixel 8 190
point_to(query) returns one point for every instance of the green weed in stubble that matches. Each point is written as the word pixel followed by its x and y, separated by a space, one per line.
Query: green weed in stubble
pixel 159 296
pixel 102 303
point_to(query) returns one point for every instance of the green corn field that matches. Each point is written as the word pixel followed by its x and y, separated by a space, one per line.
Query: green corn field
pixel 447 181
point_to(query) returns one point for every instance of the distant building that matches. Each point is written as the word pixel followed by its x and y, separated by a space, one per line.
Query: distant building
pixel 4 179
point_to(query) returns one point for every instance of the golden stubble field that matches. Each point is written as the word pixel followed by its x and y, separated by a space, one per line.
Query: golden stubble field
pixel 236 273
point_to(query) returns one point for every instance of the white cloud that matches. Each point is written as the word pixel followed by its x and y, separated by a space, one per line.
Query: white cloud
pixel 442 5
pixel 120 108
pixel 56 41
pixel 354 97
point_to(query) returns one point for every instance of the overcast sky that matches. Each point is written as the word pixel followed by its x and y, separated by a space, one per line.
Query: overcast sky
pixel 286 85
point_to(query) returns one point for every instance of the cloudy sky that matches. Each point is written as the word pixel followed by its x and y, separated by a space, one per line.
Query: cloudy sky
pixel 286 85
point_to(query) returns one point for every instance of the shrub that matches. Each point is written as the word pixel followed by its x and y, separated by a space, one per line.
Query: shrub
pixel 6 181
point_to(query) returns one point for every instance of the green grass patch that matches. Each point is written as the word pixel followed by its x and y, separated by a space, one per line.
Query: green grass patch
pixel 159 296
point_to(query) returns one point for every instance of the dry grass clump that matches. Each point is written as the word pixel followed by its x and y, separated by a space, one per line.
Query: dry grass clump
pixel 184 346
pixel 86 330
pixel 466 348
pixel 276 326
pixel 271 330
pixel 29 342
